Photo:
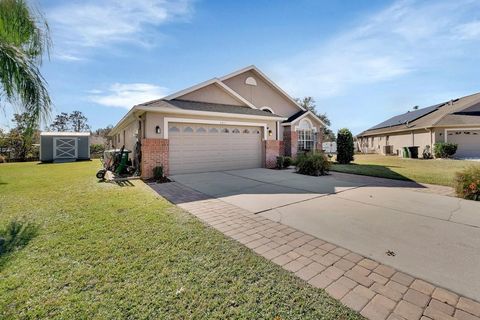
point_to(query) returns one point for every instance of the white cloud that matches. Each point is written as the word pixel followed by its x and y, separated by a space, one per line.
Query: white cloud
pixel 126 95
pixel 100 23
pixel 406 37
pixel 469 31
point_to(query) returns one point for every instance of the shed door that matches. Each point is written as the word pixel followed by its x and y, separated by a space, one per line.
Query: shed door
pixel 468 143
pixel 202 148
pixel 65 148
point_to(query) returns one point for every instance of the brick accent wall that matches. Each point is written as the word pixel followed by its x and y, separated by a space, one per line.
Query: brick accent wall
pixel 290 140
pixel 272 151
pixel 154 153
pixel 320 139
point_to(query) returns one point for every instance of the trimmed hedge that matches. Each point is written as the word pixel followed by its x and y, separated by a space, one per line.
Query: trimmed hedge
pixel 313 164
pixel 284 162
pixel 467 183
pixel 444 149
pixel 345 148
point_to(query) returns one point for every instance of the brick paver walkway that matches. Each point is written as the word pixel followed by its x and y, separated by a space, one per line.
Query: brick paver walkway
pixel 375 290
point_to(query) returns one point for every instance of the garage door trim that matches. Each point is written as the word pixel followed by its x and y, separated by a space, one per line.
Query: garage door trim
pixel 459 129
pixel 214 122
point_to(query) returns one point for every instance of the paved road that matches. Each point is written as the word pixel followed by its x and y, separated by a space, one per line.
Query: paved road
pixel 432 236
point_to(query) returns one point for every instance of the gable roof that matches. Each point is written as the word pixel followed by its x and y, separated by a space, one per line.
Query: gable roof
pixel 215 81
pixel 267 79
pixel 301 114
pixel 461 111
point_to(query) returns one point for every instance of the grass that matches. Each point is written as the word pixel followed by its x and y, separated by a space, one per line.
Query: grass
pixel 108 252
pixel 437 171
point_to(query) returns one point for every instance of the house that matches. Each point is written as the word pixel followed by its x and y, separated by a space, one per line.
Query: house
pixel 237 121
pixel 456 121
pixel 64 146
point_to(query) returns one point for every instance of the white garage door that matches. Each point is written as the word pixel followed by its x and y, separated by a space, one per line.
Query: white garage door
pixel 202 148
pixel 468 143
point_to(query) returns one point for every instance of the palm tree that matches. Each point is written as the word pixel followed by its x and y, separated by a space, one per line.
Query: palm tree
pixel 24 39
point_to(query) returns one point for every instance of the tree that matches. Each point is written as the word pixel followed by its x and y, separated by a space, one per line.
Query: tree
pixel 309 104
pixel 60 123
pixel 345 146
pixel 103 132
pixel 21 138
pixel 24 39
pixel 78 121
pixel 75 121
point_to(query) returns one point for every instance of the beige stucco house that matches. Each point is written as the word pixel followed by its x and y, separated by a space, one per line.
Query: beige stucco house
pixel 240 120
pixel 456 121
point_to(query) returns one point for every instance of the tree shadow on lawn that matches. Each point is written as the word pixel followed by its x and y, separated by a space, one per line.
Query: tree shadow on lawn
pixel 373 170
pixel 15 236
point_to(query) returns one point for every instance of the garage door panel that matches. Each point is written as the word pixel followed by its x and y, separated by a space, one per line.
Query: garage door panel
pixel 468 142
pixel 201 148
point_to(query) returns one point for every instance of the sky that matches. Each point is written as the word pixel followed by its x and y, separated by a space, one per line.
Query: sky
pixel 362 61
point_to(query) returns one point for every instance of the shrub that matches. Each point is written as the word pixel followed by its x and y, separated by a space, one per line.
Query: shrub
pixel 96 150
pixel 467 183
pixel 313 164
pixel 345 146
pixel 16 235
pixel 280 162
pixel 444 149
pixel 158 173
pixel 287 162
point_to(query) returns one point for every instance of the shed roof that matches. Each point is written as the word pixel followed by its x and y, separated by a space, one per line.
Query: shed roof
pixel 65 134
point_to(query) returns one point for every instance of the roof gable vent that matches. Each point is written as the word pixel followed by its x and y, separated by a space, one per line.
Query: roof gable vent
pixel 251 81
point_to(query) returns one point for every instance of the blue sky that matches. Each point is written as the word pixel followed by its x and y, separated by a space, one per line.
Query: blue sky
pixel 362 61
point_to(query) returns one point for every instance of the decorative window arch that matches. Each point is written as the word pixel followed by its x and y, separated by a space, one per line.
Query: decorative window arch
pixel 173 129
pixel 267 109
pixel 201 130
pixel 305 124
pixel 213 130
pixel 187 129
pixel 246 131
pixel 235 130
pixel 225 130
pixel 251 81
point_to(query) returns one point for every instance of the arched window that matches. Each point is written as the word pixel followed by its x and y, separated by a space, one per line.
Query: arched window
pixel 187 129
pixel 235 131
pixel 246 131
pixel 213 130
pixel 251 81
pixel 267 109
pixel 306 136
pixel 225 130
pixel 173 129
pixel 201 130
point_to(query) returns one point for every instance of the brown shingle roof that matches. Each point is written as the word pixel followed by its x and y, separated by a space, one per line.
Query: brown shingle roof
pixel 462 111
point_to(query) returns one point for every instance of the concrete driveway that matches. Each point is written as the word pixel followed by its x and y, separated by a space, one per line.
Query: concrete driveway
pixel 432 236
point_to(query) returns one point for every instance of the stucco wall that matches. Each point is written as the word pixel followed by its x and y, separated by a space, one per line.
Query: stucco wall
pixel 262 95
pixel 420 138
pixel 211 93
pixel 154 119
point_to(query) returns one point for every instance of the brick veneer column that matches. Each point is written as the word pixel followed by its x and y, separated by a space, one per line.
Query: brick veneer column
pixel 272 151
pixel 290 140
pixel 320 139
pixel 154 153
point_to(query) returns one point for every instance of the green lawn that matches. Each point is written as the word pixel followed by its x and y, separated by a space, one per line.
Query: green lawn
pixel 437 171
pixel 110 252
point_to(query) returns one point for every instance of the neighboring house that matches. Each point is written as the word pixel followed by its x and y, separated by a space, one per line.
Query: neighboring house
pixel 241 120
pixel 64 146
pixel 456 121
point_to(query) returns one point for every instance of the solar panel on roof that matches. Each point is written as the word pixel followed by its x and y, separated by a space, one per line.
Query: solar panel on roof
pixel 407 117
